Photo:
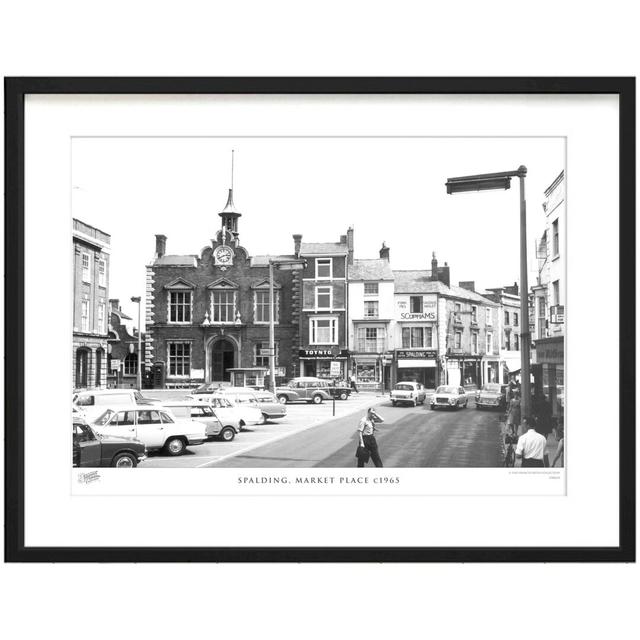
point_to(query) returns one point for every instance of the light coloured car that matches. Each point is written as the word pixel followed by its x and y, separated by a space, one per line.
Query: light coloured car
pixel 265 401
pixel 226 429
pixel 449 397
pixel 245 414
pixel 153 426
pixel 408 392
pixel 94 402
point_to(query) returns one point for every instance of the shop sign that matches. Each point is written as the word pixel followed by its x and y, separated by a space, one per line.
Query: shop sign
pixel 557 314
pixel 280 372
pixel 115 364
pixel 401 354
pixel 550 352
pixel 428 313
pixel 387 360
pixel 317 353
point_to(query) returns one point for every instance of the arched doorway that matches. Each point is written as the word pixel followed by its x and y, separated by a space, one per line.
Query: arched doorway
pixel 82 371
pixel 222 359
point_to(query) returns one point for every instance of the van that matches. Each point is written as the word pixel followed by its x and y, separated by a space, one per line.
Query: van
pixel 94 402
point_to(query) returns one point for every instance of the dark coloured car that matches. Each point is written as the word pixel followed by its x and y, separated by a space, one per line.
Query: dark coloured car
pixel 306 389
pixel 93 450
pixel 492 395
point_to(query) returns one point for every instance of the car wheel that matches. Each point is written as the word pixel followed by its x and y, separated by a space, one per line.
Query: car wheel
pixel 227 434
pixel 415 402
pixel 264 418
pixel 283 399
pixel 175 446
pixel 432 407
pixel 343 395
pixel 317 399
pixel 393 403
pixel 124 461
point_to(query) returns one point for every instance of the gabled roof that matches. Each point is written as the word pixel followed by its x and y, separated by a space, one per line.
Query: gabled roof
pixel 420 282
pixel 179 283
pixel 222 283
pixel 182 261
pixel 374 269
pixel 323 248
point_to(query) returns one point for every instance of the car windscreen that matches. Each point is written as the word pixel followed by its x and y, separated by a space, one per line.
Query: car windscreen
pixel 447 390
pixel 404 387
pixel 104 418
pixel 492 388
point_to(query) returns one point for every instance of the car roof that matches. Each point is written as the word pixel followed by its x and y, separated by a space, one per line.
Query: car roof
pixel 133 407
pixel 103 392
pixel 181 403
pixel 236 390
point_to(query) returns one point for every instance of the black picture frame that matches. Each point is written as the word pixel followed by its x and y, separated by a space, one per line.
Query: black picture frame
pixel 15 91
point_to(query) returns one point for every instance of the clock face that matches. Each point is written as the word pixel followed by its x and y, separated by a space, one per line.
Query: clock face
pixel 223 255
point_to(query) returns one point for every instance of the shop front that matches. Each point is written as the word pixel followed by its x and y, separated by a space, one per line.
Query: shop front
pixel 490 370
pixel 548 374
pixel 464 369
pixel 316 363
pixel 367 370
pixel 419 365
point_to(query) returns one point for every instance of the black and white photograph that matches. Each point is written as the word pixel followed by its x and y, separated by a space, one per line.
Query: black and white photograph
pixel 318 302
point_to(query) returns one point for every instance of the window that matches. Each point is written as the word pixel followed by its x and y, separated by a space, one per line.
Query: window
pixel 487 316
pixel 323 331
pixel 148 417
pixel 131 364
pixel 416 337
pixel 415 304
pixel 101 309
pixel 261 354
pixel 556 238
pixel 323 297
pixel 85 315
pixel 489 342
pixel 506 341
pixel 506 317
pixel 474 342
pixel 370 288
pixel 262 306
pixel 323 268
pixel 556 292
pixel 515 318
pixel 370 339
pixel 458 340
pixel 86 271
pixel 102 273
pixel 516 342
pixel 474 313
pixel 456 312
pixel 223 306
pixel 370 308
pixel 180 306
pixel 179 359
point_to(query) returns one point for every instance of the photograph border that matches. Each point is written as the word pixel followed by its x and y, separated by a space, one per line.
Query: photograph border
pixel 16 90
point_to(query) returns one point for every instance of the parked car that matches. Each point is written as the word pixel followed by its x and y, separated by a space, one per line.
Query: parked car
pixel 209 387
pixel 492 395
pixel 265 401
pixel 408 393
pixel 224 428
pixel 93 450
pixel 246 414
pixel 449 396
pixel 154 426
pixel 94 402
pixel 339 390
pixel 304 389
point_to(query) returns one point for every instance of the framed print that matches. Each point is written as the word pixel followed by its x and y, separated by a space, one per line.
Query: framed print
pixel 320 319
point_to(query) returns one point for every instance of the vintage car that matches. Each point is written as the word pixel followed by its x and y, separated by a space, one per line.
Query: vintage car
pixel 304 390
pixel 449 397
pixel 154 426
pixel 222 425
pixel 492 395
pixel 246 413
pixel 408 392
pixel 91 449
pixel 268 404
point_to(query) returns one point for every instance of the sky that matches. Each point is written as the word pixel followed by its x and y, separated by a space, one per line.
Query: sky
pixel 388 189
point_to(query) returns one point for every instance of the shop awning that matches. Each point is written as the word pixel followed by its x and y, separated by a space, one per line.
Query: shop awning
pixel 416 364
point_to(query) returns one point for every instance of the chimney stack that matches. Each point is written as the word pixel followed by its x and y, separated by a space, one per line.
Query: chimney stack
pixel 384 252
pixel 469 285
pixel 350 245
pixel 161 245
pixel 434 266
pixel 297 241
pixel 115 304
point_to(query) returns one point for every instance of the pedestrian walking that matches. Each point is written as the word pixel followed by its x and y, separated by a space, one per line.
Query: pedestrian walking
pixel 531 445
pixel 542 413
pixel 352 384
pixel 367 439
pixel 560 450
pixel 513 413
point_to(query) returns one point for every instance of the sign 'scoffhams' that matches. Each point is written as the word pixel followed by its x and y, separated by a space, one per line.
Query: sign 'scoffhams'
pixel 427 315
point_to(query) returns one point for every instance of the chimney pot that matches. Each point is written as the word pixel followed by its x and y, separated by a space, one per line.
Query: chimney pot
pixel 161 245
pixel 297 241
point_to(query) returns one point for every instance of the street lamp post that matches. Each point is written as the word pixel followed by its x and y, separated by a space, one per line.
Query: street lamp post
pixel 138 299
pixel 282 265
pixel 487 181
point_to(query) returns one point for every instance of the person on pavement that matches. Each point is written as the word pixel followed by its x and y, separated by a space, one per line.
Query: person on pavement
pixel 366 430
pixel 352 384
pixel 513 413
pixel 531 445
pixel 560 450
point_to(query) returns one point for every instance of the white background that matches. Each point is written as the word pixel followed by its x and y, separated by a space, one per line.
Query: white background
pixel 332 39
